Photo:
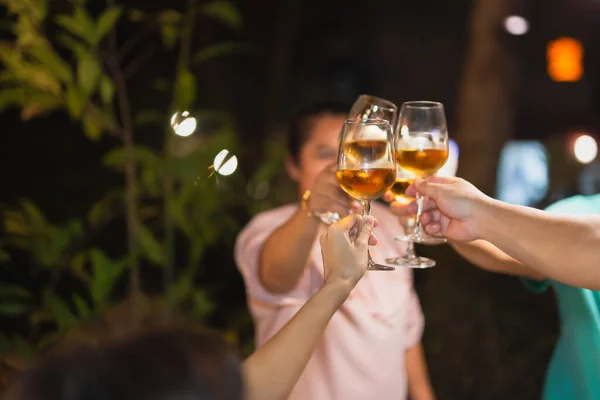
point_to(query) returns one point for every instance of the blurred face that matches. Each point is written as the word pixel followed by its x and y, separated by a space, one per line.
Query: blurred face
pixel 318 151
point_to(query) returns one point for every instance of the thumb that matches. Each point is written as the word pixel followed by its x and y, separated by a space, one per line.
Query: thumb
pixel 364 231
pixel 429 189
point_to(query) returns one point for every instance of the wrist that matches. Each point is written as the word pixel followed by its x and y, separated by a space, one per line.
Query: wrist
pixel 338 290
pixel 484 216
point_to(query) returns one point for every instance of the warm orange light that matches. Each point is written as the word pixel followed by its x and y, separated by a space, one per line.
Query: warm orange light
pixel 565 59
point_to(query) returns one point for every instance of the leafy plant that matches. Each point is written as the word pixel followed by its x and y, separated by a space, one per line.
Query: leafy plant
pixel 167 201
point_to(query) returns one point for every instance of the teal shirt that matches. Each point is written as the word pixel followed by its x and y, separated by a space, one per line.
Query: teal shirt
pixel 574 370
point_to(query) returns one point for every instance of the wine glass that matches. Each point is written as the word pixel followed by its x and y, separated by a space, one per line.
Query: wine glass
pixel 422 149
pixel 373 107
pixel 364 107
pixel 366 166
pixel 410 259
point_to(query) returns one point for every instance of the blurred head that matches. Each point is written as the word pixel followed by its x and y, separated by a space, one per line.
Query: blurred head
pixel 169 364
pixel 313 141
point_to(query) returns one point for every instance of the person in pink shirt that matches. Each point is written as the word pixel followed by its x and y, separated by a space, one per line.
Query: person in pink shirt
pixel 372 347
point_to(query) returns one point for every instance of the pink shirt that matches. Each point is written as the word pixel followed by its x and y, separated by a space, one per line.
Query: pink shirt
pixel 362 353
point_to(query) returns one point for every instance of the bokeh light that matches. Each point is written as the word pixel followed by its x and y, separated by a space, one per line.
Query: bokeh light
pixel 585 149
pixel 225 163
pixel 516 25
pixel 183 124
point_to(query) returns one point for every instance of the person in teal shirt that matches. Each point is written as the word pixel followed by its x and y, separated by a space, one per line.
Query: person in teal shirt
pixel 574 370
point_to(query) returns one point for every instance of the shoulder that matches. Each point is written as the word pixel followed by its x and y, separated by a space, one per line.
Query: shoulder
pixel 267 221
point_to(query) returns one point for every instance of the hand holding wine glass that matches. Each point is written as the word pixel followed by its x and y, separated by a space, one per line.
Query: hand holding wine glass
pixel 366 167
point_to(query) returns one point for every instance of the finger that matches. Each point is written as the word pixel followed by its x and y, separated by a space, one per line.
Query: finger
pixel 426 218
pixel 345 225
pixel 322 240
pixel 388 196
pixel 428 205
pixel 366 225
pixel 431 189
pixel 373 240
pixel 355 206
pixel 433 229
pixel 399 209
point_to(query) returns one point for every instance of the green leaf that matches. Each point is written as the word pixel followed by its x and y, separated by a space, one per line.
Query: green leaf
pixel 71 25
pixel 4 257
pixel 107 90
pixel 169 35
pixel 25 350
pixel 76 101
pixel 219 50
pixel 91 127
pixel 223 11
pixel 106 22
pixel 105 276
pixel 151 247
pixel 78 266
pixel 136 15
pixel 203 305
pixel 142 155
pixel 185 89
pixel 104 209
pixel 88 73
pixel 47 56
pixel 179 290
pixel 72 44
pixel 170 17
pixel 83 309
pixel 11 97
pixel 14 309
pixel 60 310
pixel 149 117
pixel 33 213
pixel 8 291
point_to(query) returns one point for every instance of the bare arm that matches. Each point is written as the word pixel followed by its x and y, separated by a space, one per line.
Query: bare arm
pixel 487 256
pixel 286 251
pixel 566 249
pixel 272 371
pixel 419 385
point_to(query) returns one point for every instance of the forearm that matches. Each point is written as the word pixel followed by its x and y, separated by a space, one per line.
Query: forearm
pixel 417 375
pixel 284 255
pixel 490 258
pixel 272 371
pixel 564 248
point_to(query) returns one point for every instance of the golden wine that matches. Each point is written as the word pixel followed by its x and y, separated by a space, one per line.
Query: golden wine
pixel 365 151
pixel 422 163
pixel 366 184
pixel 399 189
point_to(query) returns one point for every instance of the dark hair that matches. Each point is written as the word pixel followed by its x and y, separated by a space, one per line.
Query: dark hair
pixel 300 124
pixel 168 364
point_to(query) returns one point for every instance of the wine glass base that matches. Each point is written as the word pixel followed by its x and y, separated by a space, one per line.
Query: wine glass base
pixel 372 266
pixel 421 238
pixel 415 262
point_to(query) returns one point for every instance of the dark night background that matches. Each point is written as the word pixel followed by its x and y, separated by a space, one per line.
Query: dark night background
pixel 486 337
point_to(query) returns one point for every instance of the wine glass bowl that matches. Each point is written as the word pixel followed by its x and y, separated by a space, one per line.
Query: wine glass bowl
pixel 372 107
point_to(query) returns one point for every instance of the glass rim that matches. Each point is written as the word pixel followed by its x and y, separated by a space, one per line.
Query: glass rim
pixel 422 104
pixel 367 121
pixel 387 103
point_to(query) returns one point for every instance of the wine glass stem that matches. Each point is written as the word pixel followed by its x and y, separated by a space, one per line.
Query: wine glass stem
pixel 366 210
pixel 417 230
pixel 410 248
